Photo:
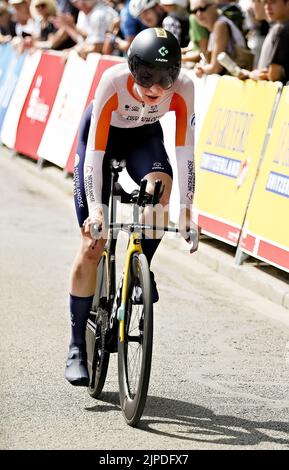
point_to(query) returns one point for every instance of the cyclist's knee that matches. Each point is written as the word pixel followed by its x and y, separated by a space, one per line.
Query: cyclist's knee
pixel 166 185
pixel 91 251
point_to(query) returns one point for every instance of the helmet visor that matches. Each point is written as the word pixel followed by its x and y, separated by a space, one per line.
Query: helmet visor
pixel 146 76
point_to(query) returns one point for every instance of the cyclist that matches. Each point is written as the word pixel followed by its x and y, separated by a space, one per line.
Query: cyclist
pixel 123 122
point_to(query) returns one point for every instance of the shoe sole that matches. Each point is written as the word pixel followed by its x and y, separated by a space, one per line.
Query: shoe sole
pixel 80 382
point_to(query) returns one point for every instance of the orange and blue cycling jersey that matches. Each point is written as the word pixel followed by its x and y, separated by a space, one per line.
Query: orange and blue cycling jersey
pixel 118 115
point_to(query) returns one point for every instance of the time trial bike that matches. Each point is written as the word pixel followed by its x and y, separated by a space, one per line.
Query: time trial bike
pixel 121 319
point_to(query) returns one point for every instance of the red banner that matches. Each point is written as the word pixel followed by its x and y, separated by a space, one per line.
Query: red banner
pixel 38 104
pixel 104 63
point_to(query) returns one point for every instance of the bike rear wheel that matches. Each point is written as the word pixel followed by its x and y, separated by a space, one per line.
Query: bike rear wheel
pixel 135 352
pixel 96 329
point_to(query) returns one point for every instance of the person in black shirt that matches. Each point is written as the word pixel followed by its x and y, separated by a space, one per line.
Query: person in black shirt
pixel 274 58
pixel 152 15
pixel 7 25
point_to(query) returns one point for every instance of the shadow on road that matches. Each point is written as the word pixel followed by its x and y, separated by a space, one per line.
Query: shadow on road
pixel 192 423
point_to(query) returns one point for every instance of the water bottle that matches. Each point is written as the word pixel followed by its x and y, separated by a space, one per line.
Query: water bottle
pixel 226 61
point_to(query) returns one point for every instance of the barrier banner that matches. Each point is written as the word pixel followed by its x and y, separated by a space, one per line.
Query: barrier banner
pixel 5 57
pixel 204 91
pixel 104 63
pixel 38 104
pixel 64 120
pixel 266 229
pixel 12 115
pixel 228 154
pixel 8 85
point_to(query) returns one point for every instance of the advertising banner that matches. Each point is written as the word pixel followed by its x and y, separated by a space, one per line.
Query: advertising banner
pixel 266 230
pixel 59 135
pixel 8 85
pixel 5 57
pixel 13 112
pixel 104 63
pixel 228 154
pixel 38 104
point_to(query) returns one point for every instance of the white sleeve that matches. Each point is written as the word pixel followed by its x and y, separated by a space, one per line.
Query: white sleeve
pixel 186 174
pixel 183 105
pixel 104 104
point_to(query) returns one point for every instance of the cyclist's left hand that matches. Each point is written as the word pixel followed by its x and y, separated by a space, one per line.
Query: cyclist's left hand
pixel 189 230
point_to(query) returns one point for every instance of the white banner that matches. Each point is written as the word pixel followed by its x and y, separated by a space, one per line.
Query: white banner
pixel 67 110
pixel 10 124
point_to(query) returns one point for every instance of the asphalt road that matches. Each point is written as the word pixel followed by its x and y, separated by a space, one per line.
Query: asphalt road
pixel 219 378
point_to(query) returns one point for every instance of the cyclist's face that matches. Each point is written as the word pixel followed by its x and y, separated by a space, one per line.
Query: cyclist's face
pixel 150 96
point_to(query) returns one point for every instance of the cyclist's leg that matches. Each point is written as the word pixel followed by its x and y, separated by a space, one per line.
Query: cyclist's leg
pixel 149 160
pixel 83 274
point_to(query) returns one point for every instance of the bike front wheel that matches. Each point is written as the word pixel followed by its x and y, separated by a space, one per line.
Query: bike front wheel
pixel 135 352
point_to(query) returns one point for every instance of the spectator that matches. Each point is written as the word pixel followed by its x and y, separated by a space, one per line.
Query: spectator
pixel 25 25
pixel 122 32
pixel 94 19
pixel 60 40
pixel 7 25
pixel 258 29
pixel 148 12
pixel 42 11
pixel 151 14
pixel 232 11
pixel 199 36
pixel 224 36
pixel 64 6
pixel 274 58
pixel 129 27
pixel 177 20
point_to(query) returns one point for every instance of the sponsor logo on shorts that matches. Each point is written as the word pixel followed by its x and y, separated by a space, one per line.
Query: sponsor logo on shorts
pixel 157 166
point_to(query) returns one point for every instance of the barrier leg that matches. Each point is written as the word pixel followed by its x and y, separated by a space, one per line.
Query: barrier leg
pixel 40 163
pixel 240 257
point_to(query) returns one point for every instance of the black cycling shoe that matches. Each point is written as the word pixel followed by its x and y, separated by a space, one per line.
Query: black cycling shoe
pixel 138 292
pixel 76 367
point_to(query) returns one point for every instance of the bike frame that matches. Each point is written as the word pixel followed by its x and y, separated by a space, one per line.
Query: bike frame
pixel 135 230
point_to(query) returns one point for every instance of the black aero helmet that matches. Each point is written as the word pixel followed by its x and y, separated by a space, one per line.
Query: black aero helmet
pixel 154 57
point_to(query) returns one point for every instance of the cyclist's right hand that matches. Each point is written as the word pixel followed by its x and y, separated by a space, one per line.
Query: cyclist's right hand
pixel 93 225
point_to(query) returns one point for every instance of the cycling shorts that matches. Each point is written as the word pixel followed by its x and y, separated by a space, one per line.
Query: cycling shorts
pixel 141 147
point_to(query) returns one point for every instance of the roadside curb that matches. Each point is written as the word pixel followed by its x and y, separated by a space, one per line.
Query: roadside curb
pixel 249 274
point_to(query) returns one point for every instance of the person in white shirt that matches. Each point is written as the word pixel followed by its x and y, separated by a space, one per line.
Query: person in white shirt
pixel 25 25
pixel 94 19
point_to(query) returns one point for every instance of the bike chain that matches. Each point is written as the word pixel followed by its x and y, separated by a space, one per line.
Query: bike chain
pixel 102 319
